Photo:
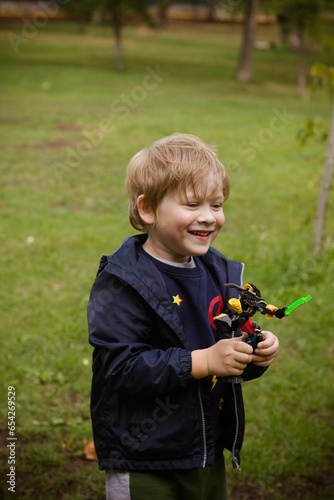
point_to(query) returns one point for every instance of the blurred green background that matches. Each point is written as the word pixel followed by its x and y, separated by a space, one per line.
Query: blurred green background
pixel 69 125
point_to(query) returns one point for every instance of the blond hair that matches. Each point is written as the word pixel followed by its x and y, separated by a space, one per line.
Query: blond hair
pixel 172 163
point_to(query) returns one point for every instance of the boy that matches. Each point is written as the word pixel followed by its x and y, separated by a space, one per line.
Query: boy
pixel 165 402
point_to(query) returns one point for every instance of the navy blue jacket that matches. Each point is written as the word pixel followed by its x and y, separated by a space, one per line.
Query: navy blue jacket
pixel 148 413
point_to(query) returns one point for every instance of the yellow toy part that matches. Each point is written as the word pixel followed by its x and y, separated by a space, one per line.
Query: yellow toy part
pixel 220 316
pixel 271 308
pixel 235 305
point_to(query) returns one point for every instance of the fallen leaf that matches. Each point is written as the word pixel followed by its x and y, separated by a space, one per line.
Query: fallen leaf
pixel 63 443
pixel 89 451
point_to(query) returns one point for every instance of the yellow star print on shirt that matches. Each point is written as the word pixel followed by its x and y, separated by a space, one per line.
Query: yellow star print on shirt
pixel 177 299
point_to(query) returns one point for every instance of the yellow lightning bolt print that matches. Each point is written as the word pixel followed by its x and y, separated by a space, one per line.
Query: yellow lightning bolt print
pixel 214 381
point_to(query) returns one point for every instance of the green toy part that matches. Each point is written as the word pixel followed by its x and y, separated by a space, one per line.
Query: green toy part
pixel 298 302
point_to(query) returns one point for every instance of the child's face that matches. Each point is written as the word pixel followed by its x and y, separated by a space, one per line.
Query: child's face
pixel 186 227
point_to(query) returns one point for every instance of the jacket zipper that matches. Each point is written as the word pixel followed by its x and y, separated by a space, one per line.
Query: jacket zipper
pixel 234 459
pixel 205 451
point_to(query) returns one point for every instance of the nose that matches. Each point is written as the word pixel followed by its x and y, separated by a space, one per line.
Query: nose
pixel 206 215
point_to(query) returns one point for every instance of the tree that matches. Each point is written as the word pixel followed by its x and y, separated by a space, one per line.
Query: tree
pixel 162 8
pixel 245 68
pixel 324 76
pixel 212 5
pixel 120 11
pixel 117 21
pixel 83 10
pixel 301 19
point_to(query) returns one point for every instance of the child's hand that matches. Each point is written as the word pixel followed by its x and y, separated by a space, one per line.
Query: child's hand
pixel 227 357
pixel 266 350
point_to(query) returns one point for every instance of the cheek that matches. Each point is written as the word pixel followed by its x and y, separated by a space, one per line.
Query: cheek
pixel 182 221
pixel 220 220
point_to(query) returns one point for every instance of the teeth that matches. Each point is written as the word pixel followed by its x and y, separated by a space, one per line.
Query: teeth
pixel 200 233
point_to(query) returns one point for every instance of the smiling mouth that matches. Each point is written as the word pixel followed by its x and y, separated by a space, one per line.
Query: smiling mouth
pixel 200 233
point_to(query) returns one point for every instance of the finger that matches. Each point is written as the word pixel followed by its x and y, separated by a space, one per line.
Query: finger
pixel 265 363
pixel 243 335
pixel 238 368
pixel 268 337
pixel 263 360
pixel 236 372
pixel 243 358
pixel 243 347
pixel 265 350
pixel 262 357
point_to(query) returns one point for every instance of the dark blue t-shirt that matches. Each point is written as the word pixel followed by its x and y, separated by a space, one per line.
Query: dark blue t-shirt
pixel 196 298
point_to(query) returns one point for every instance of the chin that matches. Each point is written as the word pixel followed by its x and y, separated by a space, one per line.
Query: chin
pixel 200 252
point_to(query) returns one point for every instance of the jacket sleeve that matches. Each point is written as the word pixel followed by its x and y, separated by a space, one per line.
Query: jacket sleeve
pixel 252 371
pixel 130 348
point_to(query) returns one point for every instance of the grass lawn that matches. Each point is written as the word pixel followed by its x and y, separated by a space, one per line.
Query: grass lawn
pixel 69 124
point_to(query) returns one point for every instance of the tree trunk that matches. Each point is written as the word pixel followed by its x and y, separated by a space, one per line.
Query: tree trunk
pixel 284 27
pixel 162 9
pixel 244 72
pixel 211 10
pixel 117 25
pixel 82 24
pixel 302 66
pixel 325 186
pixel 162 16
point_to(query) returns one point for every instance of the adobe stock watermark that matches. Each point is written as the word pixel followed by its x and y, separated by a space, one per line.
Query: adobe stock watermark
pixel 136 434
pixel 287 454
pixel 121 108
pixel 30 27
pixel 103 298
pixel 265 136
pixel 11 439
pixel 280 120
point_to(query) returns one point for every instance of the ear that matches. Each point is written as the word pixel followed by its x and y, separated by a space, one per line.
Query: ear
pixel 145 211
